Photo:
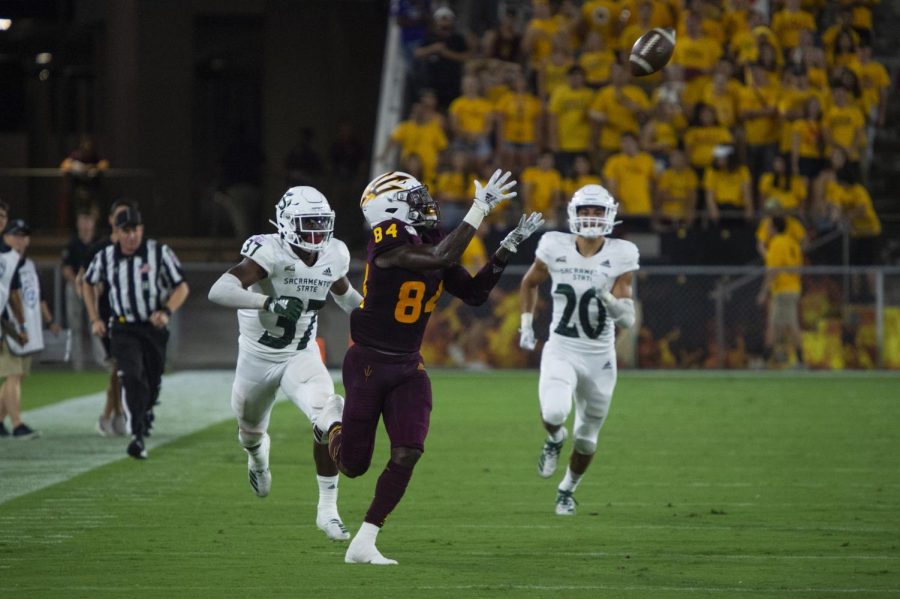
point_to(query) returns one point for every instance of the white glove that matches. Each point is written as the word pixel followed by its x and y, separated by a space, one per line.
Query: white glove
pixel 496 190
pixel 526 332
pixel 524 230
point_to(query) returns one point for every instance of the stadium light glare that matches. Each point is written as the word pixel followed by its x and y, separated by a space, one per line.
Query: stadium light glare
pixel 5 24
pixel 43 58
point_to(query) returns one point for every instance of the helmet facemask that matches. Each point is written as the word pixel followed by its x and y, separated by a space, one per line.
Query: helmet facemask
pixel 598 223
pixel 423 209
pixel 309 232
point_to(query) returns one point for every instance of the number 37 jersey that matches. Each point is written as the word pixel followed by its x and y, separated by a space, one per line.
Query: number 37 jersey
pixel 579 320
pixel 267 334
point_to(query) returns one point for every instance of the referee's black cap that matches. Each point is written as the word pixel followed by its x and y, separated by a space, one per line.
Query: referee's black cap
pixel 17 226
pixel 129 217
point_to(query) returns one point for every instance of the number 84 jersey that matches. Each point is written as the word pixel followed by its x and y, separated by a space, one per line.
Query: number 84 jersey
pixel 579 320
pixel 268 335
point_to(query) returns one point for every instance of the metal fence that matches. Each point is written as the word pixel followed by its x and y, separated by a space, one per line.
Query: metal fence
pixel 688 318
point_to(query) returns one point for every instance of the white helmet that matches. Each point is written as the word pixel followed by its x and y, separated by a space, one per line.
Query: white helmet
pixel 401 196
pixel 304 219
pixel 592 226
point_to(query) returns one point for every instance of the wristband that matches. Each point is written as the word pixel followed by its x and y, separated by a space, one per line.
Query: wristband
pixel 526 320
pixel 474 216
pixel 167 311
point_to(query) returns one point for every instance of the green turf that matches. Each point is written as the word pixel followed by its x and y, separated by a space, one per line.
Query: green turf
pixel 44 387
pixel 702 486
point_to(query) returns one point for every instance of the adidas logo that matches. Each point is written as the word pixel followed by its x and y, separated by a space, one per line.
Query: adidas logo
pixel 327 272
pixel 606 264
pixel 607 366
pixel 289 268
pixel 561 259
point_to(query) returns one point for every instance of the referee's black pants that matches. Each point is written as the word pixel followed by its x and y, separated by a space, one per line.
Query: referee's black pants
pixel 140 354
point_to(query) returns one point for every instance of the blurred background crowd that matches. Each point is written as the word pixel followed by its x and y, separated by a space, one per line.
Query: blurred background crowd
pixel 773 118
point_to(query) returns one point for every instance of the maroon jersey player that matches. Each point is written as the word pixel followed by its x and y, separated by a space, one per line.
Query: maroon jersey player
pixel 408 265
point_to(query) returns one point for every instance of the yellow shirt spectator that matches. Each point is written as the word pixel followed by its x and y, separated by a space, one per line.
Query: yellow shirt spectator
pixel 629 179
pixel 759 130
pixel 680 191
pixel 699 143
pixel 519 113
pixel 571 109
pixel 700 54
pixel 472 114
pixel 726 185
pixel 846 125
pixel 784 252
pixel 724 101
pixel 788 25
pixel 425 140
pixel 597 66
pixel 570 186
pixel 856 205
pixel 809 138
pixel 474 256
pixel 620 118
pixel 873 78
pixel 788 199
pixel 542 188
pixel 602 16
pixel 553 75
pixel 544 31
pixel 451 186
pixel 793 227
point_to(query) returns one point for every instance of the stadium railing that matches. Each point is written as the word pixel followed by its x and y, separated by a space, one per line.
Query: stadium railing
pixel 689 317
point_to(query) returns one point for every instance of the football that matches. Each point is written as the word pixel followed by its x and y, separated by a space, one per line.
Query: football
pixel 652 51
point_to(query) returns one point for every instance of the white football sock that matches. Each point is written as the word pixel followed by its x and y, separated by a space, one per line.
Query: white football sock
pixel 368 532
pixel 328 492
pixel 570 481
pixel 559 435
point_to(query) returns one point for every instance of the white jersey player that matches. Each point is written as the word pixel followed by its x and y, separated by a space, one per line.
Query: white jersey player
pixel 591 278
pixel 278 288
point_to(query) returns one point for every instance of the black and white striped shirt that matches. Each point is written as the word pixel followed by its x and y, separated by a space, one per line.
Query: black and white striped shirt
pixel 138 284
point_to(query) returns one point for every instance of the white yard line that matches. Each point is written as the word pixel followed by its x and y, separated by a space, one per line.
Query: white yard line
pixel 69 444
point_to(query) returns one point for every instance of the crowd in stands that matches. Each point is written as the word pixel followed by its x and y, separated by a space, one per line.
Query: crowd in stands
pixel 758 114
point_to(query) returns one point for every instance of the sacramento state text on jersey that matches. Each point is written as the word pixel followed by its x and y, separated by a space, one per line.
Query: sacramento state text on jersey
pixel 264 333
pixel 579 319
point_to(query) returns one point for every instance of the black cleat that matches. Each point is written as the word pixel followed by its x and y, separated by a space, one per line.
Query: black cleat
pixel 137 450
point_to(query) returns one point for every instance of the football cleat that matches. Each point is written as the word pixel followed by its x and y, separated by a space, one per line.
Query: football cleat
pixel 331 415
pixel 565 503
pixel 104 426
pixel 332 526
pixel 549 458
pixel 364 552
pixel 258 467
pixel 137 450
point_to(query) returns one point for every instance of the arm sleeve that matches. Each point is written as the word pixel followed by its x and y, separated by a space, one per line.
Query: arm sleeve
pixel 349 301
pixel 227 291
pixel 473 290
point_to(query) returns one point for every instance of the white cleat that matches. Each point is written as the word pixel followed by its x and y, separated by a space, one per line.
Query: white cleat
pixel 332 526
pixel 549 458
pixel 332 413
pixel 362 552
pixel 258 467
pixel 565 503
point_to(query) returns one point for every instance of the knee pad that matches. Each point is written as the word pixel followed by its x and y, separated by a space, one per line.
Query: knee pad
pixel 248 439
pixel 405 456
pixel 554 416
pixel 585 446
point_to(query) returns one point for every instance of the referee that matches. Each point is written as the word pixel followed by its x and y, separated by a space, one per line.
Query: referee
pixel 145 286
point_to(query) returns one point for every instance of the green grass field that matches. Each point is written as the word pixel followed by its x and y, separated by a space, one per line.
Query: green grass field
pixel 713 486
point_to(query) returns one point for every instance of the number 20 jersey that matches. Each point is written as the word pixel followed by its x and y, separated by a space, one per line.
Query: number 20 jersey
pixel 579 321
pixel 271 336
